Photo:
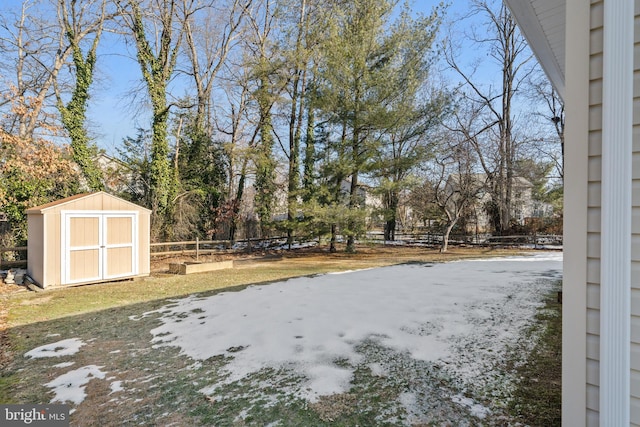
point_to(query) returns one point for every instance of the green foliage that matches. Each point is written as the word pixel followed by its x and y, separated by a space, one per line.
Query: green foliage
pixel 264 161
pixel 73 114
pixel 370 93
pixel 555 196
pixel 201 182
pixel 157 68
pixel 349 75
pixel 321 217
pixel 265 175
pixel 537 172
pixel 310 157
pixel 135 156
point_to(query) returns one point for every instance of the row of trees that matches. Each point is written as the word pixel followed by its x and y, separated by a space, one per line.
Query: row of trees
pixel 308 99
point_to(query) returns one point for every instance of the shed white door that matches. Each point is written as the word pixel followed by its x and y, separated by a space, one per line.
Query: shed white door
pixel 99 246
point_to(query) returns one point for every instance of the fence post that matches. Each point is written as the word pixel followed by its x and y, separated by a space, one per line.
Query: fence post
pixel 197 248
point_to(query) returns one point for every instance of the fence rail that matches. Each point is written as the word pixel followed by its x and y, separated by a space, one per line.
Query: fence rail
pixel 17 259
pixel 203 247
pixel 18 255
pixel 475 239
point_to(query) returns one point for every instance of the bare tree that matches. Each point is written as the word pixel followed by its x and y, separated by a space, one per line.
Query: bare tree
pixel 493 130
pixel 264 63
pixel 552 113
pixel 456 187
pixel 211 32
pixel 40 50
pixel 233 122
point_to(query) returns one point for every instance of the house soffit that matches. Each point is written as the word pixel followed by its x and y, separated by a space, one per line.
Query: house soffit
pixel 543 24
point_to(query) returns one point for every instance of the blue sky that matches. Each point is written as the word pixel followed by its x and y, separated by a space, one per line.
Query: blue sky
pixel 112 112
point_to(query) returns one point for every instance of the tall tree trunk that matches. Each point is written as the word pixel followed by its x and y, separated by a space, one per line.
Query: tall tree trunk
pixel 237 202
pixel 309 156
pixel 157 69
pixel 353 204
pixel 294 159
pixel 74 117
pixel 74 113
pixel 446 234
pixel 392 212
pixel 332 243
pixel 265 171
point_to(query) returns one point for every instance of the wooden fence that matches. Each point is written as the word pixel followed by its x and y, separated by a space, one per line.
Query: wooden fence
pixel 16 259
pixel 18 255
pixel 536 240
pixel 203 247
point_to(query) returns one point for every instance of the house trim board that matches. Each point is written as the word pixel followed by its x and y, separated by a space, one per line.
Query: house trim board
pixel 574 310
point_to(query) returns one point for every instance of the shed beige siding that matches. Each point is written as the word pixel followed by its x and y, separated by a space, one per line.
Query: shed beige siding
pixel 53 249
pixel 144 243
pixel 35 247
pixel 88 238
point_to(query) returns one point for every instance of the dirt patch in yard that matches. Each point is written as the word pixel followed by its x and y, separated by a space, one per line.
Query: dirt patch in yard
pixel 332 407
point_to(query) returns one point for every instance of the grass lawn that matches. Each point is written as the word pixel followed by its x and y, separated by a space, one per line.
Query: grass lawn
pixel 163 384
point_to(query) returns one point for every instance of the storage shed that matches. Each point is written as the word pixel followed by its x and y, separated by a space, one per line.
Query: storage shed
pixel 87 238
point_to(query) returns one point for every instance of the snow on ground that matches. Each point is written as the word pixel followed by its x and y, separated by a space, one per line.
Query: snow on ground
pixel 70 387
pixel 306 325
pixel 64 364
pixel 66 347
pixel 478 410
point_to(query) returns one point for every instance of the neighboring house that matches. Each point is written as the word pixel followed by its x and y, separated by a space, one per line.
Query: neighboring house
pixel 117 176
pixel 522 204
pixel 589 50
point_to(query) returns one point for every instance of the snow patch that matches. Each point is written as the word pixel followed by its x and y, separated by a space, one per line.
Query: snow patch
pixel 116 386
pixel 64 364
pixel 70 387
pixel 377 370
pixel 476 409
pixel 313 326
pixel 66 347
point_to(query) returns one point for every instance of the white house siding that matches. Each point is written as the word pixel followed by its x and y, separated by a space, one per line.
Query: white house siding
pixel 593 211
pixel 635 229
pixel 585 234
pixel 594 218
